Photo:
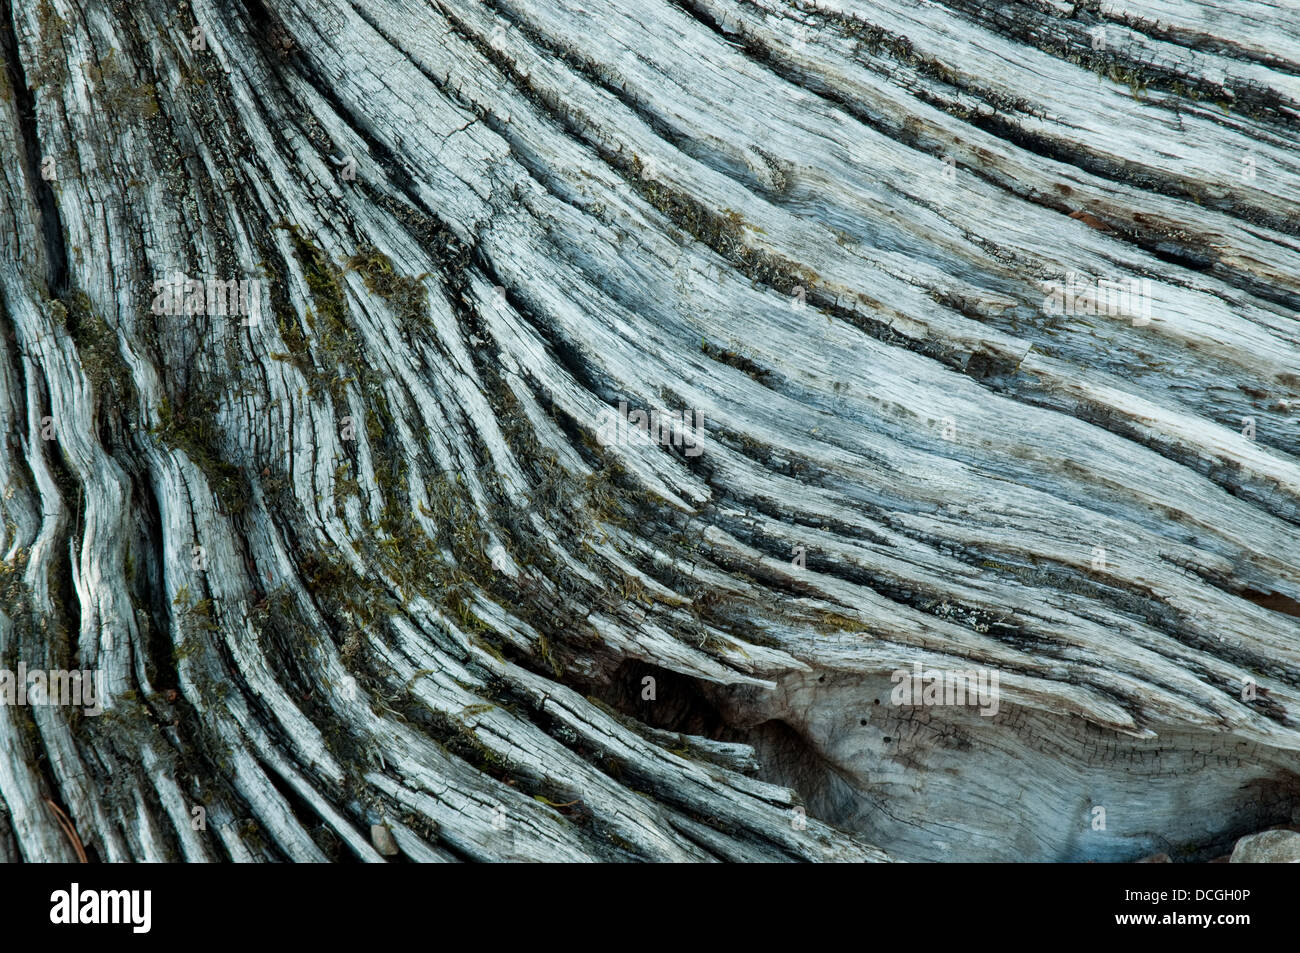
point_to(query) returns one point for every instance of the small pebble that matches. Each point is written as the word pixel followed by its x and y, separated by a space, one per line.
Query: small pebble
pixel 383 840
pixel 1268 847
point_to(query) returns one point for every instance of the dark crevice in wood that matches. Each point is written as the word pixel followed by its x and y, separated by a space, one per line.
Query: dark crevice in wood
pixel 51 225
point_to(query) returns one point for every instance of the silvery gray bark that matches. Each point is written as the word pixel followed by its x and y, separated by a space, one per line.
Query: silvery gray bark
pixel 556 430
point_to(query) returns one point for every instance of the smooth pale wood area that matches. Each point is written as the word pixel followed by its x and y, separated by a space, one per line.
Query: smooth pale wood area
pixel 427 597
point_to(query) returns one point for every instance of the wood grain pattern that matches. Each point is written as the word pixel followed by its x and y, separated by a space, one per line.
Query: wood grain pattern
pixel 370 560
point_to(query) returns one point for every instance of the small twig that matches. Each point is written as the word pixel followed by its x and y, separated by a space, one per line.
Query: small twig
pixel 68 829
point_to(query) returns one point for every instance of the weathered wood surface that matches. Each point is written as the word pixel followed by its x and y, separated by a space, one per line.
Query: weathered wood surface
pixel 365 561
